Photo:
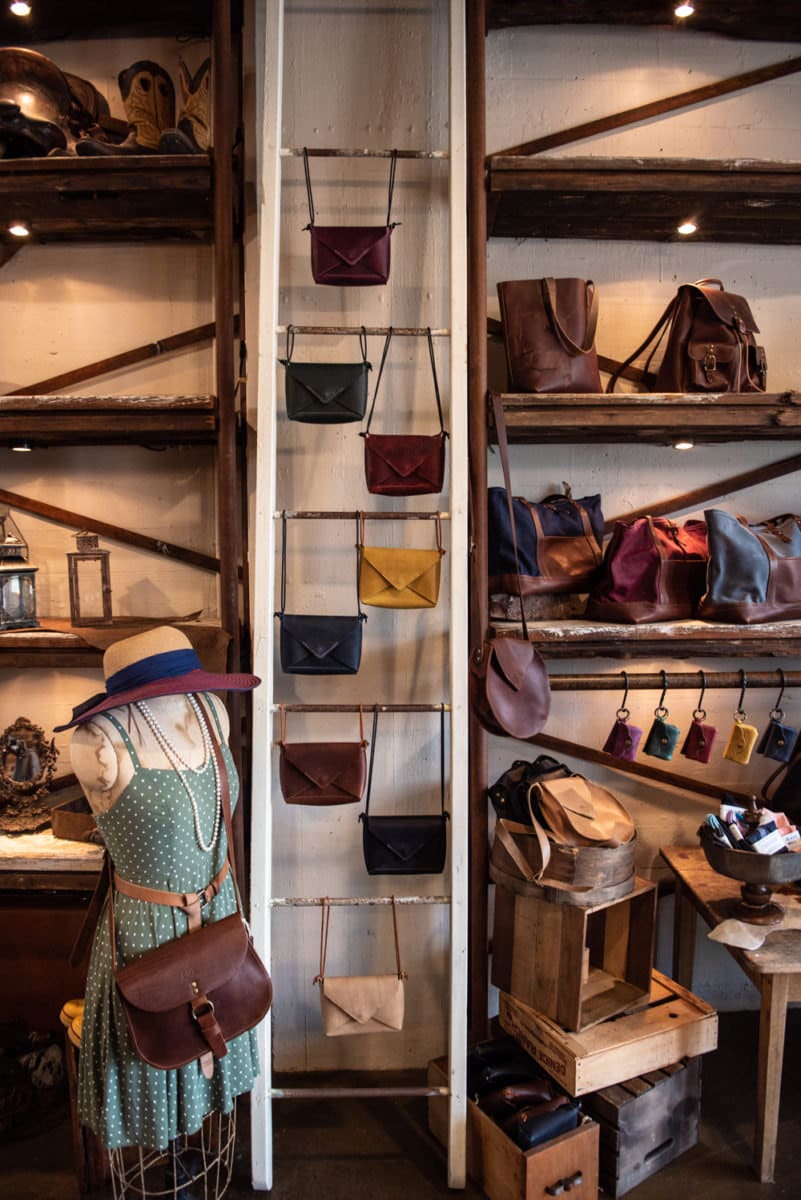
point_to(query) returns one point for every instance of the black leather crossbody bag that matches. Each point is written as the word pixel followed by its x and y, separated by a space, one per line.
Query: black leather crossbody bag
pixel 405 845
pixel 312 645
pixel 325 393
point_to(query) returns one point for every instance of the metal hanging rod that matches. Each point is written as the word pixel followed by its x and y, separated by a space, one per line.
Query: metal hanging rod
pixel 317 901
pixel 327 1093
pixel 368 516
pixel 653 681
pixel 397 331
pixel 339 152
pixel 354 708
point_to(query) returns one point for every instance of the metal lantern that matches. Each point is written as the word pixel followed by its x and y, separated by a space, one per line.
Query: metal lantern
pixel 17 583
pixel 90 582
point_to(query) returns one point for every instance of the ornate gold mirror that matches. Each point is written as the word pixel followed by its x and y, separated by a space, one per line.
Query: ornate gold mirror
pixel 27 761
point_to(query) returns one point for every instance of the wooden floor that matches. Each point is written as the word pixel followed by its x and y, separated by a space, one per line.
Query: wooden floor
pixel 384 1151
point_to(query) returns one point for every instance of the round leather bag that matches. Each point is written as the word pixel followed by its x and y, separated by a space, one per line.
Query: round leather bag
pixel 509 689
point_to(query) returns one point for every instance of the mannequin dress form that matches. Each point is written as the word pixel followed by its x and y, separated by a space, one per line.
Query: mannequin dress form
pixel 150 778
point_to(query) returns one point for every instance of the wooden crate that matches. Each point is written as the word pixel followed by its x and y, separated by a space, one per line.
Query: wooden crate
pixel 675 1024
pixel 645 1123
pixel 578 966
pixel 503 1170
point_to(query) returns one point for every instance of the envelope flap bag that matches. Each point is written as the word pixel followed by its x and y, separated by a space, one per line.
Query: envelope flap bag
pixel 350 255
pixel 325 393
pixel 405 464
pixel 317 645
pixel 322 772
pixel 351 1004
pixel 398 577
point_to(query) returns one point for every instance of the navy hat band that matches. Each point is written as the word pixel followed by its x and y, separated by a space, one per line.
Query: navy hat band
pixel 153 668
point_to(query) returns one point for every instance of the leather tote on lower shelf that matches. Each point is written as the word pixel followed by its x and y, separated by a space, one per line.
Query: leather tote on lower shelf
pixel 754 571
pixel 351 1004
pixel 549 332
pixel 325 393
pixel 710 344
pixel 405 464
pixel 653 570
pixel 350 255
pixel 322 773
pixel 317 645
pixel 405 845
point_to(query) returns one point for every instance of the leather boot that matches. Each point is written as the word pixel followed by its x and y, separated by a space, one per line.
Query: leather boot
pixel 192 134
pixel 148 97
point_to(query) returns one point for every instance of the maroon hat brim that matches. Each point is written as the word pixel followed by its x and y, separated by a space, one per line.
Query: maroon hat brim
pixel 177 685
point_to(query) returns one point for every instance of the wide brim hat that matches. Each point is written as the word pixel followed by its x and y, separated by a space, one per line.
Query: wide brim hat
pixel 158 662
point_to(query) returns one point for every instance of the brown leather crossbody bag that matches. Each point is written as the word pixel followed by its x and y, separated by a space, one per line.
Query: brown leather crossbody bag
pixel 322 773
pixel 187 998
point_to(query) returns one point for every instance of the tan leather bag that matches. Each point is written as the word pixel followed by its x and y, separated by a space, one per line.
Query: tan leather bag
pixel 578 812
pixel 394 577
pixel 351 1004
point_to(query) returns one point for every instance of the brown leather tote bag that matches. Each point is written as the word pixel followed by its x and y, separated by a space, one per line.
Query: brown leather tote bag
pixel 549 333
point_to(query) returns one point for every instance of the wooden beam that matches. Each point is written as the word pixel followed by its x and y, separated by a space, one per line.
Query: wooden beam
pixel 63 516
pixel 657 108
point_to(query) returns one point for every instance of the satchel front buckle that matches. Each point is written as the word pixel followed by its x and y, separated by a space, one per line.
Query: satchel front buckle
pixel 710 361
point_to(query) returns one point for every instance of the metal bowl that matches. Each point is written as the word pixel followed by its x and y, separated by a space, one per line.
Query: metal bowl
pixel 748 866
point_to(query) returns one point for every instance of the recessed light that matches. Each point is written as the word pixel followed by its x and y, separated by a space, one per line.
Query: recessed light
pixel 19 229
pixel 686 228
pixel 20 8
pixel 22 447
pixel 684 444
pixel 684 10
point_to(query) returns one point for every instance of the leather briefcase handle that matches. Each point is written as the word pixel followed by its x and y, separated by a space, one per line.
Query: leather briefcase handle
pixel 548 287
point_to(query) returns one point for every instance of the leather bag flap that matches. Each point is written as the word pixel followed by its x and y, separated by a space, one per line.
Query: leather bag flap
pixel 723 352
pixel 512 658
pixel 363 998
pixel 162 978
pixel 727 306
pixel 405 837
pixel 401 569
pixel 407 454
pixel 348 243
pixel 324 764
pixel 330 384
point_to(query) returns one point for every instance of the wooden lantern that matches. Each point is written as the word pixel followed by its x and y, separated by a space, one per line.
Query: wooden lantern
pixel 90 582
pixel 17 578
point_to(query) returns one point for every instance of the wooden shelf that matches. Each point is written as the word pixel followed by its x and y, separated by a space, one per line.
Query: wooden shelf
pixel 651 418
pixel 667 639
pixel 124 197
pixel 43 421
pixel 58 644
pixel 99 19
pixel 779 21
pixel 640 199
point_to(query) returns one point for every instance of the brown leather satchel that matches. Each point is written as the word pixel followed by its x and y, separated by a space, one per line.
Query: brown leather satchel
pixel 509 690
pixel 322 773
pixel 187 998
pixel 405 464
pixel 549 333
pixel 710 344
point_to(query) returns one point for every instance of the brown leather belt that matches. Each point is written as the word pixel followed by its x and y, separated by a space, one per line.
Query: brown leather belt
pixel 191 902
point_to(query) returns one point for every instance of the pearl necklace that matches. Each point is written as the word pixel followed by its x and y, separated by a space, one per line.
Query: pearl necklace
pixel 180 766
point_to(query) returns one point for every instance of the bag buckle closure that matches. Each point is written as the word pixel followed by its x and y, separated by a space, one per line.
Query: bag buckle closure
pixel 710 361
pixel 201 1005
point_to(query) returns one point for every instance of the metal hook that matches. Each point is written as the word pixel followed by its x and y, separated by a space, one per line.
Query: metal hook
pixel 622 713
pixel 776 713
pixel 740 713
pixel 699 712
pixel 660 710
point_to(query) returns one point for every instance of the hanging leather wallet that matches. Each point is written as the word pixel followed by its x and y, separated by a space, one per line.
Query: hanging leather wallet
pixel 662 739
pixel 623 740
pixel 312 645
pixel 699 741
pixel 740 745
pixel 777 741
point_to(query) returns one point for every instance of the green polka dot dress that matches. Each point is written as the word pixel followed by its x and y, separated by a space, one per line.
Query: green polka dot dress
pixel 150 835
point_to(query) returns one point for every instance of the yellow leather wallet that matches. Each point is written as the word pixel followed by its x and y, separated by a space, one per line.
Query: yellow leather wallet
pixel 395 577
pixel 740 745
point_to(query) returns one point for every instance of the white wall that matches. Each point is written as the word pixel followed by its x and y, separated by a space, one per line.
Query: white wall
pixel 543 80
pixel 62 306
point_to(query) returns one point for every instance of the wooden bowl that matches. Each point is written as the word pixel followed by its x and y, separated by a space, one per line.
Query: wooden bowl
pixel 758 873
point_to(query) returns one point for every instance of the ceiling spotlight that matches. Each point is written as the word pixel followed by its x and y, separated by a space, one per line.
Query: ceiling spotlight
pixel 20 8
pixel 686 228
pixel 684 10
pixel 22 447
pixel 19 229
pixel 684 444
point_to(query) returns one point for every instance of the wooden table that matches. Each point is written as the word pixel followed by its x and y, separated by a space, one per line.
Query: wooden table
pixel 774 969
